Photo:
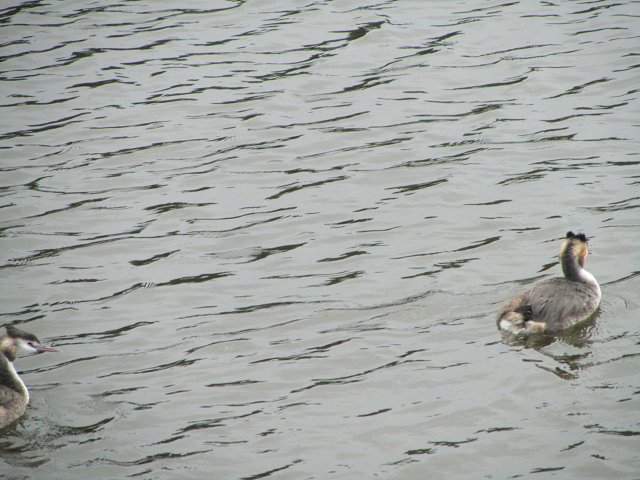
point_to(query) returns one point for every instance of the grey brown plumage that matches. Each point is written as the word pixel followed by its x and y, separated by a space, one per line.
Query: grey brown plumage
pixel 14 395
pixel 556 303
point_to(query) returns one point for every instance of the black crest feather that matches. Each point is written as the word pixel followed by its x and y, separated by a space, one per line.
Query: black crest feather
pixel 578 236
pixel 17 333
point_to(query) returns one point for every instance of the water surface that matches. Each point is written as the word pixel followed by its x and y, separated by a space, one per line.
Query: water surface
pixel 272 237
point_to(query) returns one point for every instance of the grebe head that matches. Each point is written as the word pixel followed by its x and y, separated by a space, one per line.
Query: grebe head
pixel 20 343
pixel 573 253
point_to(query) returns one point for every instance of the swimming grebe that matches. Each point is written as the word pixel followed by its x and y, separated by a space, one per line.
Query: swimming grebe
pixel 14 395
pixel 555 303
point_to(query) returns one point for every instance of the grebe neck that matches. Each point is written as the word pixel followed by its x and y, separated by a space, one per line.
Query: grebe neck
pixel 10 378
pixel 574 270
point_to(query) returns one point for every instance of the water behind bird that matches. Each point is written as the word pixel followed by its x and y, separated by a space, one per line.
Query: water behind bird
pixel 272 238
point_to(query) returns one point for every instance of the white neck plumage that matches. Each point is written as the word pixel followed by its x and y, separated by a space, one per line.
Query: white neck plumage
pixel 17 383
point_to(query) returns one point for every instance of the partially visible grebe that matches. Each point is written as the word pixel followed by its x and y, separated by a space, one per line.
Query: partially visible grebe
pixel 14 395
pixel 555 303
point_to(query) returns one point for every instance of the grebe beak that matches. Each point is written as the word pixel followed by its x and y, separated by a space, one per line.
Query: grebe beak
pixel 41 348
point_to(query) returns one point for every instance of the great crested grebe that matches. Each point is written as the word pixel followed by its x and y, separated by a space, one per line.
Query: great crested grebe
pixel 555 303
pixel 14 395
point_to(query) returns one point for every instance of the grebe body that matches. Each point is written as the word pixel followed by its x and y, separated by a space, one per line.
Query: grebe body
pixel 14 395
pixel 556 303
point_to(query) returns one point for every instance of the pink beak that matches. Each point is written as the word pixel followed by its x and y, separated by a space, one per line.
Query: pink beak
pixel 44 348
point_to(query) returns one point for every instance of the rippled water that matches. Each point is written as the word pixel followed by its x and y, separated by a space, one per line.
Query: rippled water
pixel 272 237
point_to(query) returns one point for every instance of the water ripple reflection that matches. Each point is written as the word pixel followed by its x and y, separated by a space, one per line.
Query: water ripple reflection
pixel 272 239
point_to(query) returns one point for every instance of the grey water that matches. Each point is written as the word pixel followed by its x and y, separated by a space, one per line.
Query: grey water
pixel 271 237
